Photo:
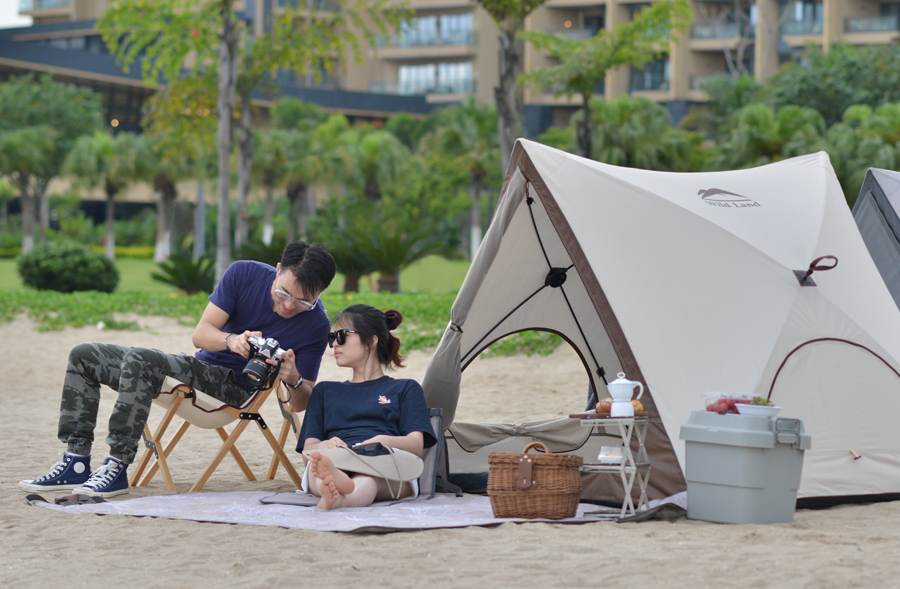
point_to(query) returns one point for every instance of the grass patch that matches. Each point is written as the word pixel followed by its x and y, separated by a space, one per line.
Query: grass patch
pixel 426 312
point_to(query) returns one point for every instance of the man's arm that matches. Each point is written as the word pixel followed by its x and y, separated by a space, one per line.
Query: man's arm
pixel 208 334
pixel 289 375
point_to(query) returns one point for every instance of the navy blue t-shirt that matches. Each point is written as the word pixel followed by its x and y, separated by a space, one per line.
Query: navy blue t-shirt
pixel 357 411
pixel 245 293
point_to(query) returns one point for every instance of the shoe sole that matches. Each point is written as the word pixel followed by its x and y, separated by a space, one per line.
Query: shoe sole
pixel 32 487
pixel 91 493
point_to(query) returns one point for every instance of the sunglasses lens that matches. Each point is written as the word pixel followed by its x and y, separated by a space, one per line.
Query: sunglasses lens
pixel 339 336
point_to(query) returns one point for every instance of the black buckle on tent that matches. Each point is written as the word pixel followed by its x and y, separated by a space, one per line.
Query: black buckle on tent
pixel 805 278
pixel 556 277
pixel 255 417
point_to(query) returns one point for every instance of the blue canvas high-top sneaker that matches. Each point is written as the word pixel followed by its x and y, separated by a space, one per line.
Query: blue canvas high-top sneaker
pixel 71 471
pixel 108 480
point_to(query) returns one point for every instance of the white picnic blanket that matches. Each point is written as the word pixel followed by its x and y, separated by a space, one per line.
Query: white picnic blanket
pixel 442 511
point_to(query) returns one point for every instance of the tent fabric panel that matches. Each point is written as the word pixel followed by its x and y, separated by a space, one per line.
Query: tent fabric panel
pixel 850 418
pixel 774 208
pixel 882 243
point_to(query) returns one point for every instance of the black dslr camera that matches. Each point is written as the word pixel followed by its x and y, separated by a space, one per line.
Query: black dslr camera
pixel 258 373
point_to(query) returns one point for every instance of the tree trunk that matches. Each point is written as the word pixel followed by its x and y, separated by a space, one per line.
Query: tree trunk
pixel 307 209
pixel 506 94
pixel 200 222
pixel 296 226
pixel 4 213
pixel 389 281
pixel 268 226
pixel 164 217
pixel 585 130
pixel 27 213
pixel 43 214
pixel 111 190
pixel 475 225
pixel 245 161
pixel 351 282
pixel 227 77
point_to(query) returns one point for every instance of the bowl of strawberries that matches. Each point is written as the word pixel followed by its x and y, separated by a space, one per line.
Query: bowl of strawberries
pixel 722 403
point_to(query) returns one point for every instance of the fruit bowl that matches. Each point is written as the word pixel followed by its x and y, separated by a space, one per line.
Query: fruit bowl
pixel 758 410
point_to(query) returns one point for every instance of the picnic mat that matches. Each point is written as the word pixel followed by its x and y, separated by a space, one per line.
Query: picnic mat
pixel 442 511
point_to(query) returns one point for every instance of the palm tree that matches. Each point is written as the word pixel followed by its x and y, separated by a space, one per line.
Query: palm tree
pixel 380 159
pixel 24 154
pixel 467 136
pixel 111 161
pixel 391 246
pixel 864 138
pixel 759 135
pixel 634 131
pixel 165 169
pixel 270 158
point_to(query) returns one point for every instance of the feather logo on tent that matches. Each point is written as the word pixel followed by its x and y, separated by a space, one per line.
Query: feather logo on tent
pixel 717 197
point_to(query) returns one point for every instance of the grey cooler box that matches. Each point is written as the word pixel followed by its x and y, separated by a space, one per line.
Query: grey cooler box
pixel 743 469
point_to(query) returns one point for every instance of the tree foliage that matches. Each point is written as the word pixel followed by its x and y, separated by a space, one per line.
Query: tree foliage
pixel 583 64
pixel 844 76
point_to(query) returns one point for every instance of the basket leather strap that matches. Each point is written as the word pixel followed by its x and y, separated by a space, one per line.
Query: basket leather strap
pixel 524 478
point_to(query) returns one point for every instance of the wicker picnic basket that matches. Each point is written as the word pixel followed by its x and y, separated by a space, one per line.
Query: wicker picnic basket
pixel 530 486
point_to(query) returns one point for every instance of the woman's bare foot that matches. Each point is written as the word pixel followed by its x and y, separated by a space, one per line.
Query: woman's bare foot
pixel 333 482
pixel 328 493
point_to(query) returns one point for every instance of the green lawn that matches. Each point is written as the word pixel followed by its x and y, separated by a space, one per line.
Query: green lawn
pixel 432 275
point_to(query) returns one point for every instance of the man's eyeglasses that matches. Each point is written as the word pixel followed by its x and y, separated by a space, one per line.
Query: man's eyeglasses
pixel 300 304
pixel 339 336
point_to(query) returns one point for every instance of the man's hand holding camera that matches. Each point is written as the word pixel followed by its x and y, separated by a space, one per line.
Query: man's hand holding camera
pixel 239 342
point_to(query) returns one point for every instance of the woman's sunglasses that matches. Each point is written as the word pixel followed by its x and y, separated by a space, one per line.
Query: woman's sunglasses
pixel 339 336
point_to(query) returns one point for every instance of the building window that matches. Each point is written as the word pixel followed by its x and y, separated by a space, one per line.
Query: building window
pixel 431 78
pixel 654 76
pixel 446 29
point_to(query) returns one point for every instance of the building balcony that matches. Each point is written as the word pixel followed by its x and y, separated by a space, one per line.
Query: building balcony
pixel 873 24
pixel 317 5
pixel 801 27
pixel 728 30
pixel 32 6
pixel 418 39
pixel 423 87
pixel 575 34
pixel 698 81
pixel 646 82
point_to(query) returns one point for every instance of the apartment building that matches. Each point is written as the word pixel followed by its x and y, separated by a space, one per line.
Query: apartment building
pixel 448 51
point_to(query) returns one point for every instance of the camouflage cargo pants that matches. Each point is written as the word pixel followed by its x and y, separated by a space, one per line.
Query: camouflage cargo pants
pixel 137 374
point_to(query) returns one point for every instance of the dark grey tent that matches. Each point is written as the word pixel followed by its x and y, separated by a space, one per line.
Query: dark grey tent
pixel 877 214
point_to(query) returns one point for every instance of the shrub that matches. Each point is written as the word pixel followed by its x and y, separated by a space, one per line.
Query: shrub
pixel 67 267
pixel 182 272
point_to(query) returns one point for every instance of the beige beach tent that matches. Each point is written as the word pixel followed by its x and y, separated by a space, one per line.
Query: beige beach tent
pixel 692 283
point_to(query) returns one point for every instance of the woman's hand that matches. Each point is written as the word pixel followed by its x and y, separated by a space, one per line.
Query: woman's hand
pixel 379 438
pixel 332 443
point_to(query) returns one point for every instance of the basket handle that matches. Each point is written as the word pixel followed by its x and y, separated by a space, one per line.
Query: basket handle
pixel 535 445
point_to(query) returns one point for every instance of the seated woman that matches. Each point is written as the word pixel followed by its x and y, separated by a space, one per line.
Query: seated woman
pixel 370 407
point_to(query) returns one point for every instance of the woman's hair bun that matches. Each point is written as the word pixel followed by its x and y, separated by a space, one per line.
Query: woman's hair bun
pixel 393 318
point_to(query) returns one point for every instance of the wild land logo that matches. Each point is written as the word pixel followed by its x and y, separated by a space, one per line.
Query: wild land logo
pixel 716 197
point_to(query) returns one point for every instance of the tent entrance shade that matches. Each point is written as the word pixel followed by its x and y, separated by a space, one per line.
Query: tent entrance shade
pixel 877 214
pixel 686 283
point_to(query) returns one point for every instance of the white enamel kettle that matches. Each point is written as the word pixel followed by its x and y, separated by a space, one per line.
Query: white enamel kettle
pixel 621 391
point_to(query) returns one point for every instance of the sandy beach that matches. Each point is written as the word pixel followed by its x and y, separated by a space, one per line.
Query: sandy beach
pixel 845 546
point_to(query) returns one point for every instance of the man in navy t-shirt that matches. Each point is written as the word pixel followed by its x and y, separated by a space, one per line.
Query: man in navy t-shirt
pixel 252 299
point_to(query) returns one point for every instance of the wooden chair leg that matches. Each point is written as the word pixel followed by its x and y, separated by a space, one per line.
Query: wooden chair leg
pixel 282 438
pixel 236 455
pixel 279 452
pixel 166 451
pixel 156 439
pixel 226 447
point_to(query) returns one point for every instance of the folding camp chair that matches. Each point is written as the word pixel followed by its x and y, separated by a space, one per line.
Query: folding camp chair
pixel 203 411
pixel 435 475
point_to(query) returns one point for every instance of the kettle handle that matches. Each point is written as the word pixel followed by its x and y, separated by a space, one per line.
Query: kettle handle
pixel 641 391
